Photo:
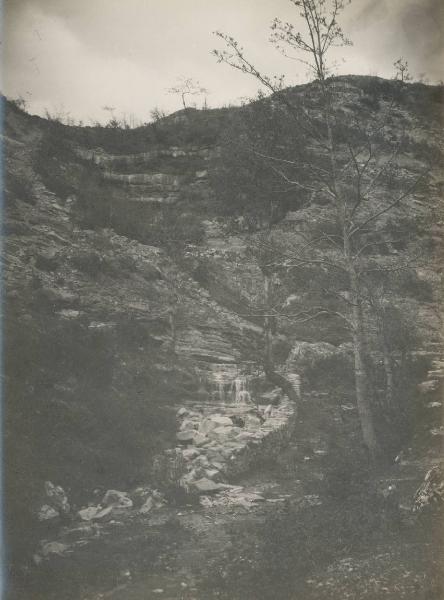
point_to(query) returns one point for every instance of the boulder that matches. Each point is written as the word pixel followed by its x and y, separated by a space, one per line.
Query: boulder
pixel 104 513
pixel 182 412
pixel 238 421
pixel 222 430
pixel 147 507
pixel 215 455
pixel 427 387
pixel 218 465
pixel 117 499
pixel 59 296
pixel 268 411
pixel 158 498
pixel 186 437
pixel 187 480
pixel 225 433
pixel 69 313
pixel 88 514
pixel 206 426
pixel 95 513
pixel 190 453
pixel 246 436
pixel 155 501
pixel 140 495
pixel 213 474
pixel 47 260
pixel 82 531
pixel 252 422
pixel 54 548
pixel 47 513
pixel 188 425
pixel 222 421
pixel 200 439
pixel 206 486
pixel 57 498
pixel 434 405
pixel 201 461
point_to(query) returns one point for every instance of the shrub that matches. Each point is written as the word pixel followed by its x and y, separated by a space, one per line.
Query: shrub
pixel 50 161
pixel 19 188
pixel 331 373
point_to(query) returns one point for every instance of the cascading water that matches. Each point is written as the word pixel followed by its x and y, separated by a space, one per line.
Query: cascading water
pixel 228 385
pixel 239 391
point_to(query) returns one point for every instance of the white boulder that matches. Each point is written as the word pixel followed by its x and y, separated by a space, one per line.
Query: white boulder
pixel 117 499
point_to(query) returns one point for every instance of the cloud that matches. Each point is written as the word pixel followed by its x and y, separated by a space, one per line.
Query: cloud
pixel 387 29
pixel 90 53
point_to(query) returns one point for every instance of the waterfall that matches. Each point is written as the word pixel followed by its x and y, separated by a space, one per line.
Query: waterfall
pixel 228 385
pixel 239 391
pixel 219 381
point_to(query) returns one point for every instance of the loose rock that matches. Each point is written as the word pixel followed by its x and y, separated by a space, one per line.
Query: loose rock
pixel 186 437
pixel 117 499
pixel 206 486
pixel 47 513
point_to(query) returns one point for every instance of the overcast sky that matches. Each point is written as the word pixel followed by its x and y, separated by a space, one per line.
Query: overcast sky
pixel 81 55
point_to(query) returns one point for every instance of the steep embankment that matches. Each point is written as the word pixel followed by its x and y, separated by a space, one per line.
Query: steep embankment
pixel 105 336
pixel 132 281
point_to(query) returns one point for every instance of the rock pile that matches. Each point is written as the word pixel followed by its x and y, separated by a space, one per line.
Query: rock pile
pixel 214 446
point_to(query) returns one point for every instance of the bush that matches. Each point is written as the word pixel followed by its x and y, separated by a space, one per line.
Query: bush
pixel 50 161
pixel 19 188
pixel 173 229
pixel 370 101
pixel 331 373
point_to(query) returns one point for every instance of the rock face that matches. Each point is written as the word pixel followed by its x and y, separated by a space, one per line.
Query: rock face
pixel 110 329
pixel 93 311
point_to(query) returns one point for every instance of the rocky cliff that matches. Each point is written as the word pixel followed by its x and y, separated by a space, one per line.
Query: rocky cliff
pixel 130 288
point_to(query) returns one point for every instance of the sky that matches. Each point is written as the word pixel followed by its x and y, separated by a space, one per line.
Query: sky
pixel 76 57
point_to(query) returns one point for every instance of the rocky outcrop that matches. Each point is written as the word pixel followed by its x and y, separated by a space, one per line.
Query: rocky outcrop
pixel 108 335
pixel 91 349
pixel 101 158
pixel 137 178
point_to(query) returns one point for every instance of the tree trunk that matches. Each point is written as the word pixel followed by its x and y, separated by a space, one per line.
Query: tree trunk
pixel 281 382
pixel 364 408
pixel 173 340
pixel 389 378
pixel 268 334
pixel 272 375
pixel 360 355
pixel 361 376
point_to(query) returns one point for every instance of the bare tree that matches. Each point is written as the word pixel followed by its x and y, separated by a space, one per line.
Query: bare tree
pixel 263 252
pixel 402 72
pixel 157 114
pixel 352 178
pixel 187 87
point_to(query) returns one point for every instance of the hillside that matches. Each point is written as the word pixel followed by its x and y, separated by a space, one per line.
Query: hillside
pixel 132 278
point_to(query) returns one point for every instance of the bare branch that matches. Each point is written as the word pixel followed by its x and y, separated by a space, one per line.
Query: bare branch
pixel 386 209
